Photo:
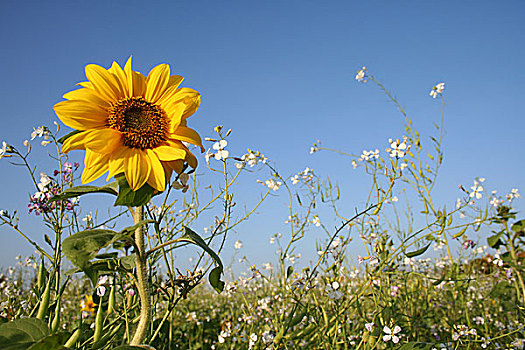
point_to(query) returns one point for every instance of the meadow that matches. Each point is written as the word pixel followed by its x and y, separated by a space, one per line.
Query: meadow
pixel 424 282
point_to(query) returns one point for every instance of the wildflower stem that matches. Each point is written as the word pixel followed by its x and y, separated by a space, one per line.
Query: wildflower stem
pixel 142 281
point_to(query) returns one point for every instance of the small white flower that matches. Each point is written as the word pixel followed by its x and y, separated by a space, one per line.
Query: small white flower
pixel 436 90
pixel 476 191
pixel 354 164
pixel 316 221
pixel 513 194
pixel 44 181
pixel 220 148
pixel 268 266
pixel 273 185
pixel 369 326
pixel 361 74
pixel 3 149
pixel 390 334
pixel 398 149
pixel 39 132
pixel 238 245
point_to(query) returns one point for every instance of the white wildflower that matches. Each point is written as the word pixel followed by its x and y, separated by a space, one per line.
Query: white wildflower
pixel 437 90
pixel 361 75
pixel 391 334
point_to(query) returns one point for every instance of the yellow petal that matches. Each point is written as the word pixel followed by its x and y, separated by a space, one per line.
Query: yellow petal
pixel 192 104
pixel 117 160
pixel 171 89
pixel 157 178
pixel 136 81
pixel 87 95
pixel 121 78
pixel 169 152
pixel 104 83
pixel 98 140
pixel 137 168
pixel 81 115
pixel 186 134
pixel 156 82
pixel 174 113
pixel 95 165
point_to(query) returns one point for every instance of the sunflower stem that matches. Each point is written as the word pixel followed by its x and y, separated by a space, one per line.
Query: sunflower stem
pixel 141 262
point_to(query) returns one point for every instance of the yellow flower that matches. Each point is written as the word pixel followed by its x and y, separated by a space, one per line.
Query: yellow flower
pixel 131 124
pixel 88 305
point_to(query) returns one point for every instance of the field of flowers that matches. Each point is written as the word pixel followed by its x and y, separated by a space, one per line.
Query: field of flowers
pixel 424 283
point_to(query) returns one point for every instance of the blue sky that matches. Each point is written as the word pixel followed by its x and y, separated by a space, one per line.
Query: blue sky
pixel 281 75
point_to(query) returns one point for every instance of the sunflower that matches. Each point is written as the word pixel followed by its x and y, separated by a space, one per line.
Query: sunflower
pixel 131 124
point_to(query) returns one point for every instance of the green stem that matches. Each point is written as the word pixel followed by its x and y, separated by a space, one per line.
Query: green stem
pixel 142 281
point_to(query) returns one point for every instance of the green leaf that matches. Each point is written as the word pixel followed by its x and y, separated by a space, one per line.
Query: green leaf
pixel 494 241
pixel 192 237
pixel 132 347
pixel 83 246
pixel 417 252
pixel 128 197
pixel 82 190
pixel 215 279
pixel 518 226
pixel 21 333
pixel 51 342
pixel 131 229
pixel 65 137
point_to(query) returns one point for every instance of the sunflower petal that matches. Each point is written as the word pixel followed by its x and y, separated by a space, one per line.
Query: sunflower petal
pixel 157 177
pixel 102 141
pixel 121 79
pixel 171 89
pixel 136 167
pixel 95 165
pixel 81 115
pixel 104 82
pixel 156 82
pixel 186 134
pixel 88 95
pixel 174 113
pixel 117 160
pixel 192 104
pixel 169 152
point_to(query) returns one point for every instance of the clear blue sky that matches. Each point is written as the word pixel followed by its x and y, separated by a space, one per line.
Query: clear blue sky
pixel 281 75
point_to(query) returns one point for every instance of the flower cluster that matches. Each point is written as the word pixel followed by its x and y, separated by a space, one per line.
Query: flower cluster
pixel 306 175
pixel 251 159
pixel 369 155
pixel 398 149
pixel 48 187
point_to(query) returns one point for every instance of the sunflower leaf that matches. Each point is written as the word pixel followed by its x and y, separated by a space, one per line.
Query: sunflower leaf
pixel 82 190
pixel 215 274
pixel 82 247
pixel 65 137
pixel 22 333
pixel 128 197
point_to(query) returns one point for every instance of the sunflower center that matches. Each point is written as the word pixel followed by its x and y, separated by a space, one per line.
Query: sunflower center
pixel 143 124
